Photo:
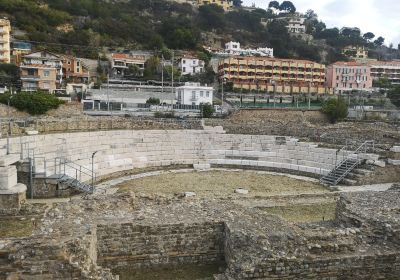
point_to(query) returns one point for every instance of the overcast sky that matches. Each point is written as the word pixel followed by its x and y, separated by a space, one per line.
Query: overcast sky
pixel 381 17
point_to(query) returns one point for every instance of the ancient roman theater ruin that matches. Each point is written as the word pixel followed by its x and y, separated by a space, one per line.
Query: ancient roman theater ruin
pixel 193 204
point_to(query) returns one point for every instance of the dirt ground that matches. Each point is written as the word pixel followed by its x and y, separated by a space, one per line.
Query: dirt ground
pixel 382 175
pixel 305 213
pixel 221 184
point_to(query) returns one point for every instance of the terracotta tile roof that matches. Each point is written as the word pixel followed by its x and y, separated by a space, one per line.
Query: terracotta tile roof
pixel 127 56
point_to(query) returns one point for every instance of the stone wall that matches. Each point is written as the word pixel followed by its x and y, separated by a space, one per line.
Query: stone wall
pixel 360 267
pixel 140 246
pixel 75 124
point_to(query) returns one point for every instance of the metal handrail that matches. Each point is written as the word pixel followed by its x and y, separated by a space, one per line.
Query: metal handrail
pixel 61 163
pixel 348 166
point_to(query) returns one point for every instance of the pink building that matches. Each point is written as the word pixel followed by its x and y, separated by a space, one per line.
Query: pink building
pixel 348 76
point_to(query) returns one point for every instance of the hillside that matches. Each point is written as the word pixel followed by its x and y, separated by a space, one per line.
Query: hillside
pixel 67 25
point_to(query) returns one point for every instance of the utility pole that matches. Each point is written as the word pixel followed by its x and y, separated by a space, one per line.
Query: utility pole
pixel 108 96
pixel 222 93
pixel 274 88
pixel 309 95
pixel 172 77
pixel 162 73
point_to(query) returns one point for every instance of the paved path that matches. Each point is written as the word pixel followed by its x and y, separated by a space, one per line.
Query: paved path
pixel 374 188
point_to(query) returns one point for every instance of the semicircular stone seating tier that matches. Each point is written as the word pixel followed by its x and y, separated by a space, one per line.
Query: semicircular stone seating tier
pixel 121 150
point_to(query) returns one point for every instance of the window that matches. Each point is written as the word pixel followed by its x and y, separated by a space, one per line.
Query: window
pixel 69 62
pixel 183 69
pixel 194 94
pixel 208 94
pixel 46 85
pixel 194 61
pixel 46 73
pixel 201 93
pixel 184 61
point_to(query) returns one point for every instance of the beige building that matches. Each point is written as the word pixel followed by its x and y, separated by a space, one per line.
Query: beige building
pixel 386 69
pixel 225 4
pixel 5 30
pixel 41 71
pixel 355 52
pixel 273 74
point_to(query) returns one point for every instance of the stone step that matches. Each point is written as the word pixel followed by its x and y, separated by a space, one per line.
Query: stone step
pixel 7 160
pixel 349 182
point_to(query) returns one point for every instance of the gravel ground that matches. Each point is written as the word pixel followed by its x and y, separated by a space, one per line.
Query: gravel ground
pixel 221 184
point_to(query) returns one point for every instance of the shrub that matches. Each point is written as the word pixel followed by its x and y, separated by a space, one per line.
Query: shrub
pixel 207 110
pixel 36 103
pixel 153 101
pixel 335 109
pixel 168 115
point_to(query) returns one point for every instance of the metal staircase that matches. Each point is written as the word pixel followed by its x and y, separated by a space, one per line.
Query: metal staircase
pixel 65 172
pixel 348 164
pixel 75 184
pixel 63 169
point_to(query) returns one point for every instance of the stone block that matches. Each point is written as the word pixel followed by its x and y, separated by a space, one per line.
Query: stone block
pixel 12 199
pixel 395 149
pixel 9 159
pixel 8 177
pixel 201 166
pixel 394 162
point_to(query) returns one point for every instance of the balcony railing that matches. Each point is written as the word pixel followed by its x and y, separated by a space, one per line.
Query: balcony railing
pixel 30 77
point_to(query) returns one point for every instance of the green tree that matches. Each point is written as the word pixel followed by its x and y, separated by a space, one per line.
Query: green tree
pixel 394 96
pixel 153 101
pixel 287 6
pixel 369 36
pixel 237 3
pixel 335 109
pixel 274 4
pixel 133 71
pixel 212 17
pixel 152 67
pixel 379 41
pixel 207 110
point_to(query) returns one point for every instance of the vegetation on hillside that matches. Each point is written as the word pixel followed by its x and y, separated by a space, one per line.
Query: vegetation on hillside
pixel 156 24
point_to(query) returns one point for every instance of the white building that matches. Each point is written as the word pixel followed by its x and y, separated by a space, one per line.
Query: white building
pixel 191 66
pixel 296 23
pixel 194 94
pixel 233 48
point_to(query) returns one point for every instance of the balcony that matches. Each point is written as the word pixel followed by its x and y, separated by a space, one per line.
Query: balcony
pixel 194 98
pixel 30 78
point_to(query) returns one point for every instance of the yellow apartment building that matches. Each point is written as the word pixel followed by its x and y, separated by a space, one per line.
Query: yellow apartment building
pixel 225 4
pixel 5 30
pixel 273 74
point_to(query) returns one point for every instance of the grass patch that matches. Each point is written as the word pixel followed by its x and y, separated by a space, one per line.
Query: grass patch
pixel 305 213
pixel 222 184
pixel 182 272
pixel 15 228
